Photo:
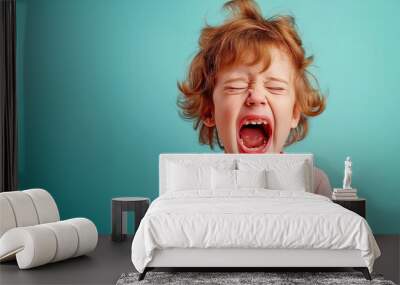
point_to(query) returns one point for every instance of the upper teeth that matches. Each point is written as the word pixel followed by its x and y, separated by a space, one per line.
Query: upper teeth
pixel 255 122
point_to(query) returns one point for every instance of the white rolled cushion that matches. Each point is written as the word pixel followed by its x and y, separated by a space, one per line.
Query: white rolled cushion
pixel 45 205
pixel 23 208
pixel 37 245
pixel 87 235
pixel 67 240
pixel 7 218
pixel 33 245
pixel 251 178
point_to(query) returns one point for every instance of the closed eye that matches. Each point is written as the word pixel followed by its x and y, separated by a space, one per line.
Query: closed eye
pixel 235 89
pixel 276 90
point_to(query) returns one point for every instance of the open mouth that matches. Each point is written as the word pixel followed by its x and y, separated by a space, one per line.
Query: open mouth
pixel 254 135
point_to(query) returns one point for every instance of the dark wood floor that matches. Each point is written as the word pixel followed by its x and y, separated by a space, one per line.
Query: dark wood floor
pixel 103 266
pixel 389 262
pixel 111 259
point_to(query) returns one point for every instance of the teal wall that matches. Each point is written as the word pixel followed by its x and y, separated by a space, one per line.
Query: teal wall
pixel 97 92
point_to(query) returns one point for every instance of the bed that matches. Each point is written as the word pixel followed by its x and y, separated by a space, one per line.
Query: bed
pixel 246 211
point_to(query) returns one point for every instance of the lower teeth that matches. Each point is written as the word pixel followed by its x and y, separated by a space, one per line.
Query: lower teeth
pixel 253 148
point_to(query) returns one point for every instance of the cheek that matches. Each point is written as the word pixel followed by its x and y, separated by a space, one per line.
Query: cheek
pixel 283 112
pixel 226 111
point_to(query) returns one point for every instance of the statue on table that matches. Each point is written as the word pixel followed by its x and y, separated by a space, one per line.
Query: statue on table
pixel 347 174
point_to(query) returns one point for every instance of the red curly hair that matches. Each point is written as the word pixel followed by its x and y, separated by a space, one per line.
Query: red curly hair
pixel 225 45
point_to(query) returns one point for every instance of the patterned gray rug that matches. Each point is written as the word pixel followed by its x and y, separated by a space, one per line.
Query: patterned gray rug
pixel 270 278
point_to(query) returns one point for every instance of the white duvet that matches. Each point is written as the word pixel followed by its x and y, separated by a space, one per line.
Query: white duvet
pixel 251 218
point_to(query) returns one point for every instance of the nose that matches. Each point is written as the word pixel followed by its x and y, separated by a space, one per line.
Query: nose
pixel 256 97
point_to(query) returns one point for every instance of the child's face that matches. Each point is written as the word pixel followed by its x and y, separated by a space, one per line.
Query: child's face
pixel 255 111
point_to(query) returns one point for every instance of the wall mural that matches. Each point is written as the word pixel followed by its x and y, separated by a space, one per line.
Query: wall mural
pixel 248 89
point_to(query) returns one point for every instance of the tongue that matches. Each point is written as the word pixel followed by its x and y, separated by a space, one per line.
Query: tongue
pixel 252 137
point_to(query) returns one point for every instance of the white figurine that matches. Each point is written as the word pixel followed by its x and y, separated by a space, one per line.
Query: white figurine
pixel 347 174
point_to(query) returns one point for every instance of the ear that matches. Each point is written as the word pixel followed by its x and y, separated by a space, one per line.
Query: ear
pixel 209 121
pixel 295 117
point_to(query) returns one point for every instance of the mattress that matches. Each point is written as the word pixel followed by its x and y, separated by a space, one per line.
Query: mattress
pixel 250 219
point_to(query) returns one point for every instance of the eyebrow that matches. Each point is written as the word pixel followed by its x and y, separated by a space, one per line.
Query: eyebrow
pixel 235 79
pixel 277 79
pixel 271 78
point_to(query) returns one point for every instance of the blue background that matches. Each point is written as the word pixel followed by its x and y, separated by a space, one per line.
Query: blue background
pixel 97 96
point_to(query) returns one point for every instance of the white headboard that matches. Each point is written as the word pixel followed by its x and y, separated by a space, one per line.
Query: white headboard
pixel 222 158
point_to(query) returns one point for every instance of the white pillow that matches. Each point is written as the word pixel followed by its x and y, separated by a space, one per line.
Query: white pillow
pixel 188 177
pixel 251 178
pixel 223 179
pixel 293 178
pixel 236 179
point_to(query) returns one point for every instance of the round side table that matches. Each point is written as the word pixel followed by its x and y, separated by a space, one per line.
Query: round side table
pixel 120 206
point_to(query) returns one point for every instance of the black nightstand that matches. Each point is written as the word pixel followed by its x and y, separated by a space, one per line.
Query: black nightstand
pixel 357 206
pixel 120 206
